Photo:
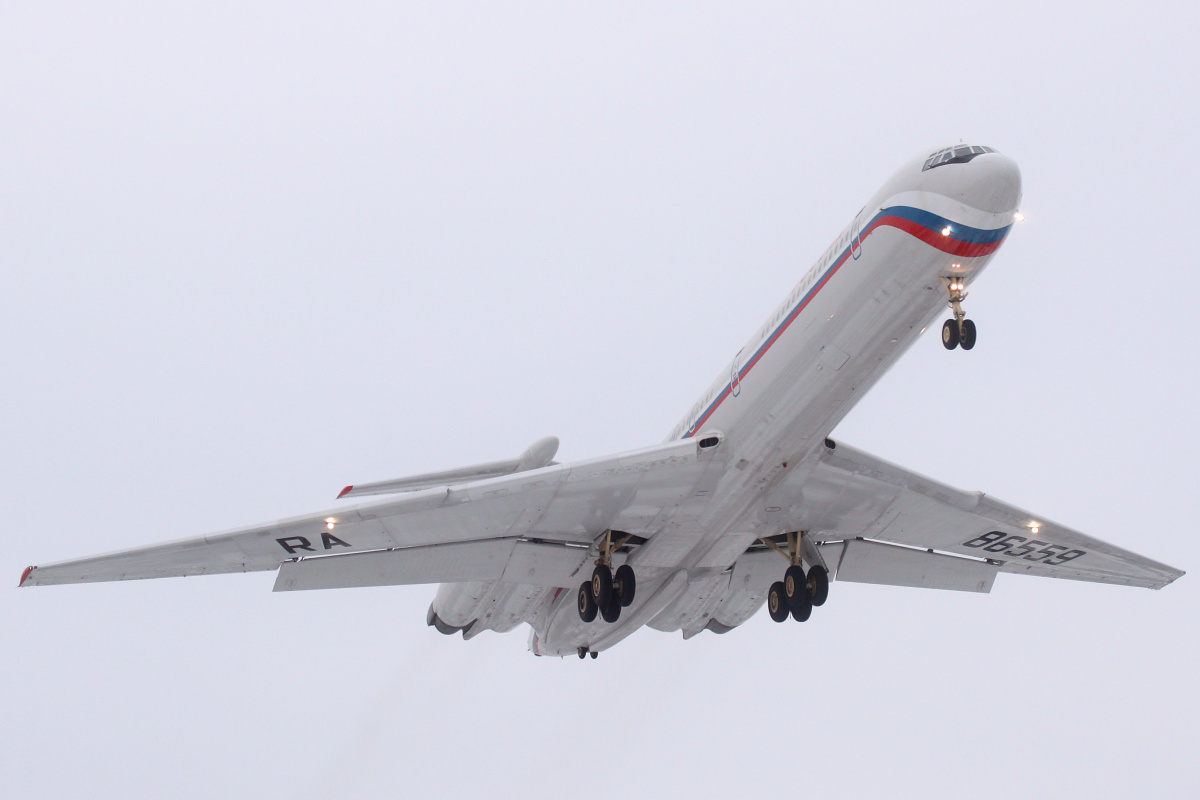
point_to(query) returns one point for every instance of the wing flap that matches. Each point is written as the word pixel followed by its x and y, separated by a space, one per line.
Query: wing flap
pixel 890 565
pixel 460 561
pixel 511 560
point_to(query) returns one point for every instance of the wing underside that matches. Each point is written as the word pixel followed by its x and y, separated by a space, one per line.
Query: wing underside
pixel 530 525
pixel 891 525
pixel 873 522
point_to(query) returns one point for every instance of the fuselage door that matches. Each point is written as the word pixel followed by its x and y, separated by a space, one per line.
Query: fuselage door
pixel 735 380
pixel 855 233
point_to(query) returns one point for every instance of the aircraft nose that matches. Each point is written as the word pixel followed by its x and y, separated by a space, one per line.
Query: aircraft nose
pixel 991 182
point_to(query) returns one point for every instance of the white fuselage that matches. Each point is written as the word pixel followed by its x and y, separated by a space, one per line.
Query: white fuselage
pixel 855 311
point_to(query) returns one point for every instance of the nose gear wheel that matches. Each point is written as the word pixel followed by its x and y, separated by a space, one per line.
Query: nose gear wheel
pixel 950 334
pixel 966 336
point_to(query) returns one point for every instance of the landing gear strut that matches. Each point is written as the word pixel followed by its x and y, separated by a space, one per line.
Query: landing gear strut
pixel 798 592
pixel 959 331
pixel 607 593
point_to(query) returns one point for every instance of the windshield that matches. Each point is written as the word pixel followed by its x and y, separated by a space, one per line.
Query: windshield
pixel 958 154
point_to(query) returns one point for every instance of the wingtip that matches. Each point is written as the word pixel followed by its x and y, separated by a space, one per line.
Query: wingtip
pixel 1174 575
pixel 344 492
pixel 25 576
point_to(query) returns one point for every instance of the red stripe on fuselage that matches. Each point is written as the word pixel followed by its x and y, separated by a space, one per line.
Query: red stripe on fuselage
pixel 947 244
pixel 935 239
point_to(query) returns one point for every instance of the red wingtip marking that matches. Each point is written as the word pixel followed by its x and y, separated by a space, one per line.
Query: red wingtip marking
pixel 25 576
pixel 344 492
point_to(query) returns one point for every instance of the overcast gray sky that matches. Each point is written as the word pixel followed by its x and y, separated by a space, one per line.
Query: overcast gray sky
pixel 254 252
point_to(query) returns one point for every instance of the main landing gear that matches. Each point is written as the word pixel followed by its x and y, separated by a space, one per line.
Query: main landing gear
pixel 607 592
pixel 960 331
pixel 798 592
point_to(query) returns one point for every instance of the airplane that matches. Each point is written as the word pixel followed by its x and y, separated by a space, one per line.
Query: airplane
pixel 748 501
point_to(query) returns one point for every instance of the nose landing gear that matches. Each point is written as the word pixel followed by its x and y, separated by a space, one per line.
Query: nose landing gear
pixel 799 591
pixel 959 331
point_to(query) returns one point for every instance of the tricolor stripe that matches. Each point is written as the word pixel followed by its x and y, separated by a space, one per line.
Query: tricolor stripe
pixel 961 240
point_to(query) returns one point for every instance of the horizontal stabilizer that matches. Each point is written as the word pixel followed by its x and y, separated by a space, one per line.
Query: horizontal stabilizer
pixel 537 455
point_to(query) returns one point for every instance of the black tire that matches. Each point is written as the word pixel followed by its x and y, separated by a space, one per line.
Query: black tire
pixel 802 611
pixel 777 604
pixel 612 611
pixel 625 585
pixel 950 334
pixel 967 338
pixel 602 585
pixel 593 653
pixel 795 588
pixel 818 585
pixel 586 603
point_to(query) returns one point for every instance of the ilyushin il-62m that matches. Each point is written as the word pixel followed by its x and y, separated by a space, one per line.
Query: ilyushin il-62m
pixel 748 501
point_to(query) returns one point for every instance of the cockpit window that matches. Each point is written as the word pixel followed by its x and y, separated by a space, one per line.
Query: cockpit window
pixel 959 154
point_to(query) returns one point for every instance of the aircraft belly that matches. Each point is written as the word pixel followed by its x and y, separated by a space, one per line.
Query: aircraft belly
pixel 806 384
pixel 800 387
pixel 691 608
pixel 562 633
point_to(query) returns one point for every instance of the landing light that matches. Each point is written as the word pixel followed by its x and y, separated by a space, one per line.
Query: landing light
pixel 946 231
pixel 1019 217
pixel 330 522
pixel 1034 528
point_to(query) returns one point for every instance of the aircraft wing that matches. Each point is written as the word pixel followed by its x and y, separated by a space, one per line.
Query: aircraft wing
pixel 881 523
pixel 535 525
